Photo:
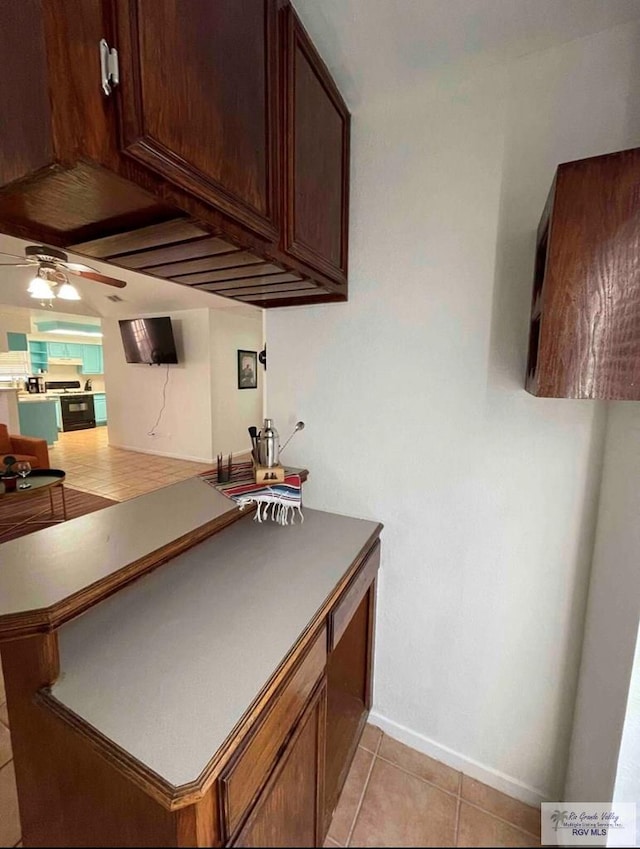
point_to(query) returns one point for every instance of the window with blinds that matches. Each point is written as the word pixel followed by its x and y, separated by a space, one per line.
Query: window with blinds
pixel 14 364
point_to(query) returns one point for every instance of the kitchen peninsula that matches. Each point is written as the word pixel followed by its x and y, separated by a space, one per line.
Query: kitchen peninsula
pixel 213 691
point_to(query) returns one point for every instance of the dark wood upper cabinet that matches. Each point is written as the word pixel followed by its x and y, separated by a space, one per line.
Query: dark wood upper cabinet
pixel 317 135
pixel 198 99
pixel 585 321
pixel 224 123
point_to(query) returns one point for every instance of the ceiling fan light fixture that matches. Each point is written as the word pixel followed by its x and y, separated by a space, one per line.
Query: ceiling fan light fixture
pixel 39 288
pixel 68 292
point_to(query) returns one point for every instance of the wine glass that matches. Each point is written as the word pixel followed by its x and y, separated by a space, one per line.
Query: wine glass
pixel 23 468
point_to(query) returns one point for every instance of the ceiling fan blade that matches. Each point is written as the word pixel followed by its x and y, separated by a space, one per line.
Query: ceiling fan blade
pixel 13 256
pixel 100 278
pixel 16 264
pixel 76 266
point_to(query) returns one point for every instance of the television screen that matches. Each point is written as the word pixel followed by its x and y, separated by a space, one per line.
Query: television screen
pixel 148 340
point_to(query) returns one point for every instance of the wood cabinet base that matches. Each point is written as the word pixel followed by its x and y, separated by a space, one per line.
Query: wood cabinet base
pixel 275 782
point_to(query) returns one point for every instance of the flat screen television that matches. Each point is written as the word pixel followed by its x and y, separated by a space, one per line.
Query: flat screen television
pixel 148 340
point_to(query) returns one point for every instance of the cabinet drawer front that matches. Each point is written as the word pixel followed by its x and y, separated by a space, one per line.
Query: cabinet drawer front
pixel 247 773
pixel 342 613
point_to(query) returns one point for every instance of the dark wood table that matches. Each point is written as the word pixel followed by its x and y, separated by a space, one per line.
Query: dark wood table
pixel 39 480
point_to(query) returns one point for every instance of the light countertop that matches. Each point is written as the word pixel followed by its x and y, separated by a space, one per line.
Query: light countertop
pixel 54 396
pixel 167 666
pixel 39 570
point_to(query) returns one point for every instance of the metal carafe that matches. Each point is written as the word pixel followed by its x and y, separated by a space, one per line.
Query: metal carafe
pixel 268 445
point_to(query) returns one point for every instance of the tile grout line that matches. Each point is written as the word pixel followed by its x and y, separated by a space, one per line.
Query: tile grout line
pixel 456 826
pixel 500 819
pixel 364 790
pixel 454 793
pixel 457 795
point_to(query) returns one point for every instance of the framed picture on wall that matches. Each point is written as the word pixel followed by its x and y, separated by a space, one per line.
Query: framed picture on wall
pixel 247 369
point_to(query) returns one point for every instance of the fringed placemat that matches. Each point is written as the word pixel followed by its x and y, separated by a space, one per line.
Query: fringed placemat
pixel 279 501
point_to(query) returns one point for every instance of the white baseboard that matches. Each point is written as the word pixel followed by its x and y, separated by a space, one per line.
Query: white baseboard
pixel 164 454
pixel 488 775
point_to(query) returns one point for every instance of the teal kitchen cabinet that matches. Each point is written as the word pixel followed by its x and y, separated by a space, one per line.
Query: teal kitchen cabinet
pixel 39 357
pixel 56 350
pixel 38 418
pixel 17 341
pixel 92 360
pixel 100 408
pixel 64 350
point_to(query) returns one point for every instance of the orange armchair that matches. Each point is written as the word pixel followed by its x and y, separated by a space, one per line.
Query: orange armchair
pixel 24 448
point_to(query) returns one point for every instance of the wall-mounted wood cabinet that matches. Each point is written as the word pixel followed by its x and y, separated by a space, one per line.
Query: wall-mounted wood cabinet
pixel 198 100
pixel 316 167
pixel 219 160
pixel 585 321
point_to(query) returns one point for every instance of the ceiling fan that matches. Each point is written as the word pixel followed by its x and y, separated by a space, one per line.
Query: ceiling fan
pixel 51 267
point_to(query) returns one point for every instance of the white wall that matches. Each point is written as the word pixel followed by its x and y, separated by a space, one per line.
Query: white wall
pixel 627 786
pixel 416 415
pixel 612 617
pixel 205 411
pixel 234 410
pixel 134 392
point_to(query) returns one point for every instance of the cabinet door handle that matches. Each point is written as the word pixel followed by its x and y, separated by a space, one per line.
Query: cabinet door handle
pixel 109 69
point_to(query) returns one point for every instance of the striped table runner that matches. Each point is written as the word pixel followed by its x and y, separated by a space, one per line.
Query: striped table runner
pixel 279 501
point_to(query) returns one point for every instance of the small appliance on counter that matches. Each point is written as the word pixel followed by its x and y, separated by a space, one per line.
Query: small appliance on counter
pixel 266 450
pixel 35 385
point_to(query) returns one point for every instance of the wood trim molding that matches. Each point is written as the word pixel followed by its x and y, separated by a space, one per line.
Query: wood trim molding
pixel 174 798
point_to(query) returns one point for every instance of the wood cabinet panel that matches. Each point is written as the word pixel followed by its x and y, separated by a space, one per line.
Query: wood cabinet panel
pixel 198 99
pixel 242 780
pixel 584 338
pixel 225 121
pixel 288 810
pixel 343 612
pixel 349 679
pixel 317 129
pixel 25 147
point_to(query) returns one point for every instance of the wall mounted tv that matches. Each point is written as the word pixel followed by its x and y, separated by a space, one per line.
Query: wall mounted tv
pixel 148 340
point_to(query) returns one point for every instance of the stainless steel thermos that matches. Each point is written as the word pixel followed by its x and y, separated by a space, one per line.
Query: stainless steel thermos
pixel 266 448
pixel 268 445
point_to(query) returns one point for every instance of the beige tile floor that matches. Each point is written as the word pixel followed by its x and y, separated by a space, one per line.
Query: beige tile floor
pixel 393 796
pixel 92 465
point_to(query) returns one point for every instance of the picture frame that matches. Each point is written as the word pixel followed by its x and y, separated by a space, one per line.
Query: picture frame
pixel 247 369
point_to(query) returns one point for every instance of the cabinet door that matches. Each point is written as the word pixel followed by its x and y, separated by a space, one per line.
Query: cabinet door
pixel 317 126
pixel 56 350
pixel 289 810
pixel 92 359
pixel 100 408
pixel 349 676
pixel 198 99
